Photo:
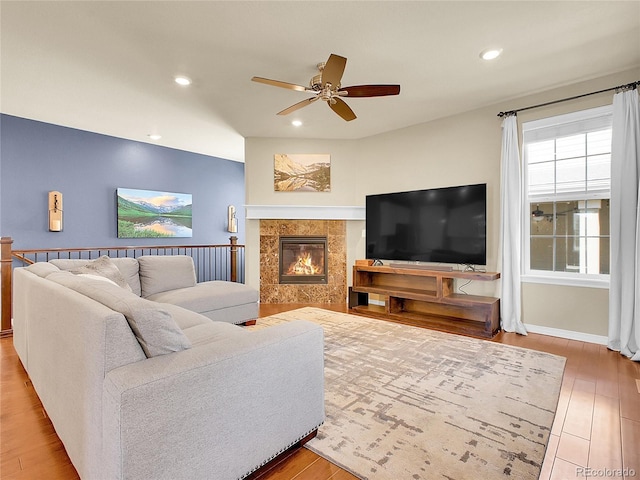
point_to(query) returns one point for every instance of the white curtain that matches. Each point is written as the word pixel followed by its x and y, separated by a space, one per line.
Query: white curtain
pixel 624 297
pixel 510 228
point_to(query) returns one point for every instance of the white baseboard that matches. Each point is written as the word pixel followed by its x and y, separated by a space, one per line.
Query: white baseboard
pixel 552 332
pixel 568 334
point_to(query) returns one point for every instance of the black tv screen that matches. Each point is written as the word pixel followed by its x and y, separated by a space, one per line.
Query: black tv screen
pixel 443 225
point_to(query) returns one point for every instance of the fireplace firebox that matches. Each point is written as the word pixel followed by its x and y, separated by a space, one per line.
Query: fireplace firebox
pixel 303 260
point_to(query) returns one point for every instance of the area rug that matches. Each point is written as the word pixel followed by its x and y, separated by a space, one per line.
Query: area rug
pixel 409 403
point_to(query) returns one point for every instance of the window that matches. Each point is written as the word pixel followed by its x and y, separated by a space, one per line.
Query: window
pixel 567 171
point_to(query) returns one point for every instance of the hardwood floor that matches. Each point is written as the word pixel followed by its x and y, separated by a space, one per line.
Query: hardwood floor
pixel 597 423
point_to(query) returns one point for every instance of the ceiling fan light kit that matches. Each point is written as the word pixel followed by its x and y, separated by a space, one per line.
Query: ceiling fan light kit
pixel 326 86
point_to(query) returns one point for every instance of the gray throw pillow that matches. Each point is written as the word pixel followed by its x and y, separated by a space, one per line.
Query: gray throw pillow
pixel 156 331
pixel 103 267
pixel 154 327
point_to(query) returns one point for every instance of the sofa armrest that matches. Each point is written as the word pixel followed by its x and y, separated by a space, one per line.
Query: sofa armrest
pixel 223 408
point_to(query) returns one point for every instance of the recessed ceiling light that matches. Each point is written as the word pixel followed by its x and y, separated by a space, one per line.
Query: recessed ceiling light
pixel 154 136
pixel 182 80
pixel 296 123
pixel 490 53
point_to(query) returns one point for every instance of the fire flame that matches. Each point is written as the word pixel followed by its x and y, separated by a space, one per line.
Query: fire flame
pixel 304 266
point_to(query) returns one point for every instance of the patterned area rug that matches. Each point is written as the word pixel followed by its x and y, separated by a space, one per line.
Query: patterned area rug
pixel 410 403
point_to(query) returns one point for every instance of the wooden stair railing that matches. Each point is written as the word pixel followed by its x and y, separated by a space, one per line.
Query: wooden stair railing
pixel 211 262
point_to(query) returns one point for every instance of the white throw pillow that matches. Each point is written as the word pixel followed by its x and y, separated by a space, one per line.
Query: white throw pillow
pixel 97 277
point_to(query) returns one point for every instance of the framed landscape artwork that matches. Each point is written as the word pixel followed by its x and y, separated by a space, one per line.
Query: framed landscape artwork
pixel 151 214
pixel 308 172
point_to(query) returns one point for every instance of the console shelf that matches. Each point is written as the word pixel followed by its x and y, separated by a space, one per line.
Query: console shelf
pixel 423 297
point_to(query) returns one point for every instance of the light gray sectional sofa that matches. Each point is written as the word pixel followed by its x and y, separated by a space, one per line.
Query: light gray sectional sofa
pixel 138 388
pixel 172 279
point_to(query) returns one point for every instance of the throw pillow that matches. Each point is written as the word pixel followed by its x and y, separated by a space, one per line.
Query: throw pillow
pixel 97 277
pixel 154 327
pixel 156 331
pixel 103 267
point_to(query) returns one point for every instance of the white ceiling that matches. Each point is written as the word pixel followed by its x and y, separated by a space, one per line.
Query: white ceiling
pixel 108 67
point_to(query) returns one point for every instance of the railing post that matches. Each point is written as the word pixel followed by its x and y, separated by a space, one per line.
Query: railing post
pixel 234 258
pixel 6 285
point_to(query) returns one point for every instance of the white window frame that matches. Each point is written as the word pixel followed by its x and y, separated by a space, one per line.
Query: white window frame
pixel 593 115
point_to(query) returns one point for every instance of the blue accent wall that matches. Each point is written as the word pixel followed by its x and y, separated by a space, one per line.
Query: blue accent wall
pixel 87 168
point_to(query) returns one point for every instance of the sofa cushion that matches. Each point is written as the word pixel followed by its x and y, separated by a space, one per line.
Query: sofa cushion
pixel 153 326
pixel 200 330
pixel 161 273
pixel 42 269
pixel 68 263
pixel 128 268
pixel 209 296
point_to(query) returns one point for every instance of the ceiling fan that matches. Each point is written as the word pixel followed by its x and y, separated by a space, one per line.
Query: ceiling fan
pixel 326 86
pixel 538 215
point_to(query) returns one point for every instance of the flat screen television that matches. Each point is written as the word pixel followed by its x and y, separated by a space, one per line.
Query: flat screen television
pixel 443 225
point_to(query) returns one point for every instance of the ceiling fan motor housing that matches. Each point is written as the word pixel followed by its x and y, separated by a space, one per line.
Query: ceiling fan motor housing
pixel 316 82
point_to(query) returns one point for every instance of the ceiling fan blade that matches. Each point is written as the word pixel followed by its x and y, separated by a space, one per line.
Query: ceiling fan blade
pixel 298 105
pixel 278 83
pixel 333 70
pixel 371 90
pixel 342 109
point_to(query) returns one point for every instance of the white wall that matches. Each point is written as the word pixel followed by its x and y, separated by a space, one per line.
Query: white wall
pixel 457 150
pixel 259 154
pixel 576 309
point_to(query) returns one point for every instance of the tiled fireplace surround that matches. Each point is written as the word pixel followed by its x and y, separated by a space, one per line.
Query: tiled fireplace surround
pixel 334 291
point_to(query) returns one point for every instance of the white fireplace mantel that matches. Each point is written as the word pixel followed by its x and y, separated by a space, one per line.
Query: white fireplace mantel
pixel 304 212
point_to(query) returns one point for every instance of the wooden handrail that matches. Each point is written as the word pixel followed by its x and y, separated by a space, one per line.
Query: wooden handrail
pixel 205 257
pixel 22 258
pixel 22 251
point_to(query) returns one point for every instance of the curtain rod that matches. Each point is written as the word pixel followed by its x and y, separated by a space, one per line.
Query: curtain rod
pixel 628 86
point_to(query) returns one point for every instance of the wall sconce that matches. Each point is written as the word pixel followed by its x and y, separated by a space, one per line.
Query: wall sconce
pixel 232 221
pixel 55 211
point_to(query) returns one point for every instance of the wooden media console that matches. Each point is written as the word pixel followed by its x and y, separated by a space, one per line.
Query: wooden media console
pixel 423 297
